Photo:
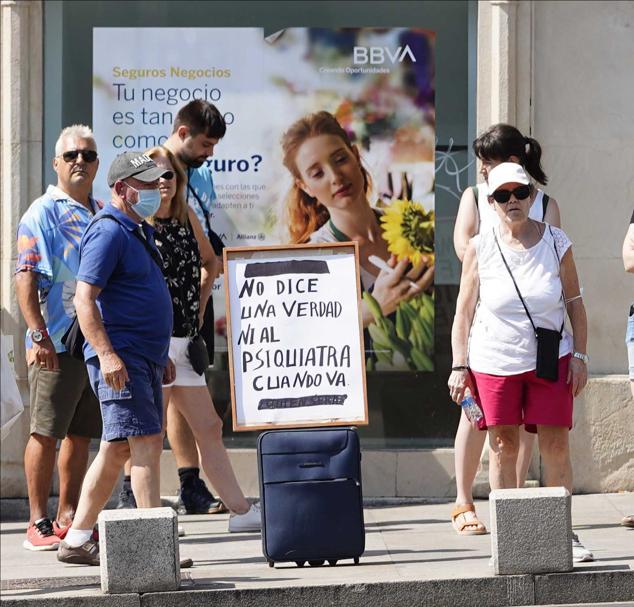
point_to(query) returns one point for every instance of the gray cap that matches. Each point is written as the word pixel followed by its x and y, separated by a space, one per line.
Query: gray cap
pixel 134 164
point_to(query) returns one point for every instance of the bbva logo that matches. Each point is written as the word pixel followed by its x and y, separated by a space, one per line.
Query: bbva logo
pixel 381 54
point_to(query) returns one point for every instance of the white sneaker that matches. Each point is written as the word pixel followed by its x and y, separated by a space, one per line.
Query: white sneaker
pixel 181 531
pixel 251 520
pixel 580 554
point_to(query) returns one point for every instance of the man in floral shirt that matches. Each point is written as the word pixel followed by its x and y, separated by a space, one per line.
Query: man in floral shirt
pixel 62 404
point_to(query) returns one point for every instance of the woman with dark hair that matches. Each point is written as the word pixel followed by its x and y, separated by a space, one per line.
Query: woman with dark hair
pixel 328 202
pixel 510 347
pixel 499 143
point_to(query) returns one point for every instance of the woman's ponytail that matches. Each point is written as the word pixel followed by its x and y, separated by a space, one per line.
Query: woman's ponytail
pixel 532 160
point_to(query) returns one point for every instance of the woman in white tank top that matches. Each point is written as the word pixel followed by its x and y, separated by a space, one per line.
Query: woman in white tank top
pixel 518 275
pixel 499 143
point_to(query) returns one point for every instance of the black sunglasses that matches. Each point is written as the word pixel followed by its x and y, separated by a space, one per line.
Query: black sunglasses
pixel 87 155
pixel 168 175
pixel 520 192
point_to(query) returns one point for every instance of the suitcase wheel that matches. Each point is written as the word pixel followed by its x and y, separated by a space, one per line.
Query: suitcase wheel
pixel 300 563
pixel 316 563
pixel 356 560
pixel 332 563
pixel 271 564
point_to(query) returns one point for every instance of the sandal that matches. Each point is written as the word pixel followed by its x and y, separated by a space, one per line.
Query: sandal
pixel 460 527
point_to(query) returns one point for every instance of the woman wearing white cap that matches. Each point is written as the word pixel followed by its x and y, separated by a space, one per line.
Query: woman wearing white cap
pixel 510 348
pixel 499 143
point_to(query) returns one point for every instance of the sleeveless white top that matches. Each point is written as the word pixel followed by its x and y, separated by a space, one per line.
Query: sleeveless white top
pixel 502 340
pixel 488 216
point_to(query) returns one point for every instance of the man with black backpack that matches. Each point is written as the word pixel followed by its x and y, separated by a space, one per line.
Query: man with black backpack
pixel 125 313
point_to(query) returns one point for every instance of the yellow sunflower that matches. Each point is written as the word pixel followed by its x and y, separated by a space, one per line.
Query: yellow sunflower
pixel 409 231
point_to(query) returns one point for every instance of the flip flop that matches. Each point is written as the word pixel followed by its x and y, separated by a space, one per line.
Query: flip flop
pixel 628 521
pixel 460 527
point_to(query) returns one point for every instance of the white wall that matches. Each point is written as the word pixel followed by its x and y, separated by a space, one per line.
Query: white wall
pixel 583 115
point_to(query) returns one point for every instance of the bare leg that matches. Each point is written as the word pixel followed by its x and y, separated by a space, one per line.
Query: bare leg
pixel 181 440
pixel 467 452
pixel 39 462
pixel 99 482
pixel 145 456
pixel 504 444
pixel 555 452
pixel 524 456
pixel 196 406
pixel 72 462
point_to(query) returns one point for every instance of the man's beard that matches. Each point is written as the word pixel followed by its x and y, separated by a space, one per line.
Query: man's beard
pixel 194 163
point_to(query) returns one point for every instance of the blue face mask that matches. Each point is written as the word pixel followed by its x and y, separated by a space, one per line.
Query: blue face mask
pixel 148 203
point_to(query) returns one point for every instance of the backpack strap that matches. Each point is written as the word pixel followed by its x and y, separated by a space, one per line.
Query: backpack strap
pixel 545 199
pixel 154 254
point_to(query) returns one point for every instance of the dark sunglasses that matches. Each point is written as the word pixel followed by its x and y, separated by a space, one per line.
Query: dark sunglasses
pixel 520 192
pixel 168 175
pixel 87 155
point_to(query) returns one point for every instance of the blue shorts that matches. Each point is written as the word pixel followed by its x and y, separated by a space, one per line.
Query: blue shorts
pixel 137 410
pixel 629 341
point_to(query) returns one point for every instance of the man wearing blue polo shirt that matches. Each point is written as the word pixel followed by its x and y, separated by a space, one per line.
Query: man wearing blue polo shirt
pixel 125 312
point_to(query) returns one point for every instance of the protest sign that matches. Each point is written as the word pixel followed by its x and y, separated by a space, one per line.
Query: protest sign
pixel 295 336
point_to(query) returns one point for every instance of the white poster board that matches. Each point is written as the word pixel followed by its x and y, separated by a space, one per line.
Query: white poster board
pixel 296 336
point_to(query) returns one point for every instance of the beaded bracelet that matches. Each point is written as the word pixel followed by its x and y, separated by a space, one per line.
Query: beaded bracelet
pixel 460 368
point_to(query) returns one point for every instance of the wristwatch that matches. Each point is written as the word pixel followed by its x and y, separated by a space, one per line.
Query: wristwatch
pixel 581 356
pixel 39 335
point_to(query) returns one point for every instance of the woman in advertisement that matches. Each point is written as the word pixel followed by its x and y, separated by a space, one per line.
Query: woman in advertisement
pixel 328 202
pixel 509 345
pixel 499 143
pixel 188 266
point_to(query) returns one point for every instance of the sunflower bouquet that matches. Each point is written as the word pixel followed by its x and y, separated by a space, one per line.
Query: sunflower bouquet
pixel 405 340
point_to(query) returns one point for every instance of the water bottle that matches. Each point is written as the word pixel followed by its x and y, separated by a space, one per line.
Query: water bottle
pixel 471 408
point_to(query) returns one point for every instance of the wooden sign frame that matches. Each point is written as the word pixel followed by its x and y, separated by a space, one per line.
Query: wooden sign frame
pixel 268 252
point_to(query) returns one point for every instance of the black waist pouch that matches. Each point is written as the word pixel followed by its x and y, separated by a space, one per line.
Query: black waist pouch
pixel 73 340
pixel 197 354
pixel 547 353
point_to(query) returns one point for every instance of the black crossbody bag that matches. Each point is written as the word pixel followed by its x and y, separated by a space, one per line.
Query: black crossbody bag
pixel 547 364
pixel 73 339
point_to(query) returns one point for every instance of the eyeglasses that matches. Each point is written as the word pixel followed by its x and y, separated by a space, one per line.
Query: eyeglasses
pixel 87 155
pixel 168 175
pixel 520 192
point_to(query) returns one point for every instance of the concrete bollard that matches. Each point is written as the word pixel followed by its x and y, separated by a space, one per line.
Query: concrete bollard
pixel 531 530
pixel 139 550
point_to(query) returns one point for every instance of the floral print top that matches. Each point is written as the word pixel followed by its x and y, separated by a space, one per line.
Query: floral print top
pixel 181 269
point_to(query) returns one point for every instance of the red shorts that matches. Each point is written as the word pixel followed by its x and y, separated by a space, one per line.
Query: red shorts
pixel 512 400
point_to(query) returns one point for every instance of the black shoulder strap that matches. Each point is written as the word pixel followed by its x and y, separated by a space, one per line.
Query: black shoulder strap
pixel 156 256
pixel 514 283
pixel 545 199
pixel 214 239
pixel 474 189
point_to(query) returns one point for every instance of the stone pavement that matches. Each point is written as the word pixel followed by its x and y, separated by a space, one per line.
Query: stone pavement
pixel 412 556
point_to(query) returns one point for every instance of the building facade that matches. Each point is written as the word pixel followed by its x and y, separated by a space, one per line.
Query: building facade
pixel 560 71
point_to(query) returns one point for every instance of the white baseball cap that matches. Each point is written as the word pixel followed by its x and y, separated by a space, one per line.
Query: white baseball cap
pixel 506 172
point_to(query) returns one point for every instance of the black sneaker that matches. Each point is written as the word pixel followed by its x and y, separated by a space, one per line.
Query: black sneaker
pixel 126 499
pixel 197 499
pixel 86 554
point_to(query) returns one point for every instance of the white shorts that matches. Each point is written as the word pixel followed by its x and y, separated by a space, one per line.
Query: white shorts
pixel 185 375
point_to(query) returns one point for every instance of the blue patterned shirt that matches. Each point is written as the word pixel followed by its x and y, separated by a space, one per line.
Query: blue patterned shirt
pixel 49 234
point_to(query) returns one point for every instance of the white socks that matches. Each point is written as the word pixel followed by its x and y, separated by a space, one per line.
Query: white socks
pixel 77 537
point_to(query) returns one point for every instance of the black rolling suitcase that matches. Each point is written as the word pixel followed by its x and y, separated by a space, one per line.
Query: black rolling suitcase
pixel 311 497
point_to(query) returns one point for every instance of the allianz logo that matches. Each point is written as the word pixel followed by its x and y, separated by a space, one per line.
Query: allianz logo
pixel 381 54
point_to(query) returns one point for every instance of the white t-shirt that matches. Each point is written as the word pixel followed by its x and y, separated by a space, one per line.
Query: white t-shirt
pixel 488 216
pixel 502 340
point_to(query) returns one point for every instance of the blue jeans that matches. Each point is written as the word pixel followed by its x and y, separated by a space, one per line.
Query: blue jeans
pixel 137 410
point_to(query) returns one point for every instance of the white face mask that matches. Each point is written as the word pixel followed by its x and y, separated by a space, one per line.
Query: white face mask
pixel 148 203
